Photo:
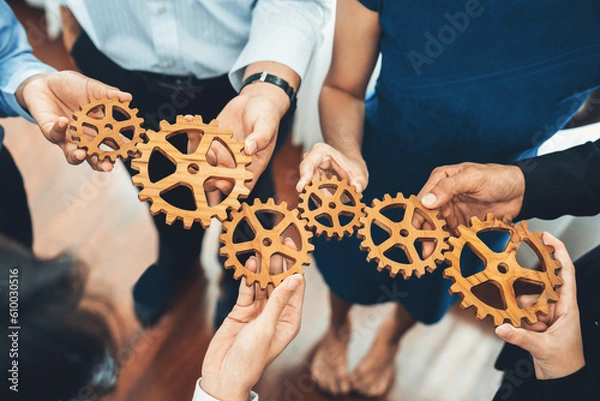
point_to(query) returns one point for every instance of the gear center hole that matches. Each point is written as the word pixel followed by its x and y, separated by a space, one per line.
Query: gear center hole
pixel 332 205
pixel 108 127
pixel 193 168
pixel 267 242
pixel 404 233
pixel 503 268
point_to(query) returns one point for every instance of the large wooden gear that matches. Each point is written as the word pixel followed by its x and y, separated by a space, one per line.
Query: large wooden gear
pixel 109 130
pixel 503 270
pixel 191 170
pixel 404 235
pixel 266 242
pixel 328 200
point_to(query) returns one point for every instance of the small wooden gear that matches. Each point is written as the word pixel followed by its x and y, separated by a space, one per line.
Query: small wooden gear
pixel 404 235
pixel 191 170
pixel 109 129
pixel 266 242
pixel 333 199
pixel 503 270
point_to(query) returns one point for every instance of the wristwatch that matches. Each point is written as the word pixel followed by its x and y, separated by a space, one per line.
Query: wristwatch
pixel 275 80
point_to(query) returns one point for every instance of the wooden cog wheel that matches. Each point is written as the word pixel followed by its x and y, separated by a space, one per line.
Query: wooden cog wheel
pixel 333 199
pixel 503 271
pixel 265 241
pixel 118 118
pixel 192 170
pixel 404 235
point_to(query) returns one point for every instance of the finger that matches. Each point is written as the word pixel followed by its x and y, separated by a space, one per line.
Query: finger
pixel 317 157
pixel 264 132
pixel 567 272
pixel 246 293
pixel 348 171
pixel 280 298
pixel 525 339
pixel 261 294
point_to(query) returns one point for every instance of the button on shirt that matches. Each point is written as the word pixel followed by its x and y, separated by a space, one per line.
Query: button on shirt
pixel 203 38
pixel 16 63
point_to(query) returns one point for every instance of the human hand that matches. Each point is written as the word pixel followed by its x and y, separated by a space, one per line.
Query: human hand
pixel 260 326
pixel 555 341
pixel 324 160
pixel 52 98
pixel 465 190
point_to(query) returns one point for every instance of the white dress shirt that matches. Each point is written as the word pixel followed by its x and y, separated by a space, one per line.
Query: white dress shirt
pixel 204 38
pixel 200 395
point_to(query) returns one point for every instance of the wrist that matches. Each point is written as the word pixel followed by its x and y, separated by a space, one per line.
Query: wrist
pixel 563 368
pixel 21 94
pixel 279 99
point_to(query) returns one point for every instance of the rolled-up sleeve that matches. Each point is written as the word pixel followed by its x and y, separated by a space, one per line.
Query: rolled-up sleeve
pixel 283 31
pixel 17 63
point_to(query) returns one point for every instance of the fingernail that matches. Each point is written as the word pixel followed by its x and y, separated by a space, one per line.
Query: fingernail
pixel 300 185
pixel 429 200
pixel 251 147
pixel 504 330
pixel 293 282
pixel 106 168
pixel 358 188
pixel 287 239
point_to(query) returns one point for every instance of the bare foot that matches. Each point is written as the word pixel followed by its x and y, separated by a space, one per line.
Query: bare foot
pixel 329 366
pixel 375 373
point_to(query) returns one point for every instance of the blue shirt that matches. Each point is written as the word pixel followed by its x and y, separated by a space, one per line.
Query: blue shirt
pixel 17 63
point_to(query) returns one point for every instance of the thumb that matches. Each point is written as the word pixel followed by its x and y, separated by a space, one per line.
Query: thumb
pixel 444 191
pixel 265 131
pixel 519 337
pixel 279 299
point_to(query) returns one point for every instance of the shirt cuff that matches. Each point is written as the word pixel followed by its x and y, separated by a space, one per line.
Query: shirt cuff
pixel 8 92
pixel 290 47
pixel 200 395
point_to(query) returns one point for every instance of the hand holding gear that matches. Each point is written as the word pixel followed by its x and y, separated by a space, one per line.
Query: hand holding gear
pixel 503 271
pixel 403 234
pixel 192 170
pixel 110 120
pixel 260 228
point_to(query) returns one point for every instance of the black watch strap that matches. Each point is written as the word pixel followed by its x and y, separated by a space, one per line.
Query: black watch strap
pixel 275 80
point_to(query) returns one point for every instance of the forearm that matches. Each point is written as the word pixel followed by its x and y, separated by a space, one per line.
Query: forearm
pixel 284 32
pixel 571 179
pixel 342 119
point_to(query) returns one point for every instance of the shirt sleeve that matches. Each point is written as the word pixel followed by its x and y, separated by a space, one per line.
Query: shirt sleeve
pixel 373 5
pixel 562 183
pixel 284 31
pixel 17 63
pixel 580 386
pixel 200 395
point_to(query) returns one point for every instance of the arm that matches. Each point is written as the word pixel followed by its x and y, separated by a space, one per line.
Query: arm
pixel 341 104
pixel 256 331
pixel 548 186
pixel 555 342
pixel 283 37
pixel 571 179
pixel 35 91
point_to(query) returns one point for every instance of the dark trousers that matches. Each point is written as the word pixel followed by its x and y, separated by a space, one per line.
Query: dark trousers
pixel 178 247
pixel 519 377
pixel 15 219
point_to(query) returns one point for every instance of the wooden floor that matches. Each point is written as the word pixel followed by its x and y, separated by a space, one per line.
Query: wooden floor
pixel 98 218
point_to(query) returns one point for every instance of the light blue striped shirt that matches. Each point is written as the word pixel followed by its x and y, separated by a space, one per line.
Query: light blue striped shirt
pixel 204 38
pixel 16 63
